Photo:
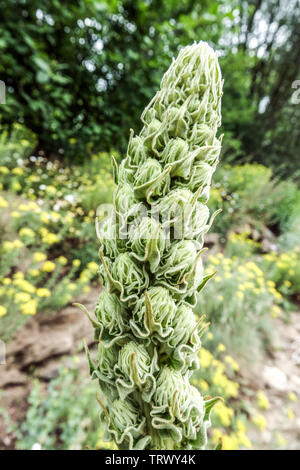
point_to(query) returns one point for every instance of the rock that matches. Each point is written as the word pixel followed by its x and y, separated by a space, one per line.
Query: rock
pixel 275 378
pixel 9 376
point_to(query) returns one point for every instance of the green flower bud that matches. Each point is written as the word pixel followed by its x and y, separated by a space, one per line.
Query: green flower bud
pixel 210 153
pixel 124 199
pixel 202 135
pixel 125 174
pixel 111 313
pixel 196 411
pixel 147 172
pixel 172 392
pixel 177 155
pixel 196 224
pixel 133 351
pixel 175 150
pixel 137 151
pixel 126 425
pixel 178 262
pixel 147 241
pixel 106 362
pixel 135 368
pixel 150 180
pixel 185 327
pixel 173 204
pixel 178 122
pixel 123 414
pixel 128 277
pixel 154 313
pixel 111 243
pixel 200 177
pixel 155 135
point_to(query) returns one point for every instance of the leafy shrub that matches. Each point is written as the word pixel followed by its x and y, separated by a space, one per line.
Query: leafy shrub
pixel 15 145
pixel 284 270
pixel 76 75
pixel 238 302
pixel 46 220
pixel 61 417
pixel 240 245
pixel 249 195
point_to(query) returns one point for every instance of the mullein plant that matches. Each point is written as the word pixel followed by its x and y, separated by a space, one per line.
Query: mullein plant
pixel 151 269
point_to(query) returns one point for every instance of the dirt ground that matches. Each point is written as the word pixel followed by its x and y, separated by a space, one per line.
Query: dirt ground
pixel 42 344
pixel 278 374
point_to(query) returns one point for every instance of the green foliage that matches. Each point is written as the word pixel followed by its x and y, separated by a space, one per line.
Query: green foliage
pixel 74 74
pixel 250 194
pixel 60 417
pixel 238 301
pixel 15 145
pixel 46 220
pixel 284 270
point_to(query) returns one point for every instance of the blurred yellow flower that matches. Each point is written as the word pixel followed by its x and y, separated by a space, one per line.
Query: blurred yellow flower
pixel 18 171
pixel 48 266
pixel 229 442
pixel 243 440
pixel 26 232
pixel 18 275
pixel 24 285
pixel 33 272
pixel 38 257
pixel 3 311
pixel 223 413
pixel 290 414
pixel 8 246
pixel 43 292
pixel 262 400
pixel 4 170
pixel 71 286
pixel 29 308
pixel 240 426
pixel 205 357
pixel 275 311
pixel 203 385
pixel 92 266
pixel 3 202
pixel 232 362
pixel 292 396
pixel 281 441
pixel 21 297
pixel 62 260
pixel 259 421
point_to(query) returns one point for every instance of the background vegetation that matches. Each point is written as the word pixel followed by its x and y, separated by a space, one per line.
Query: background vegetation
pixel 76 72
